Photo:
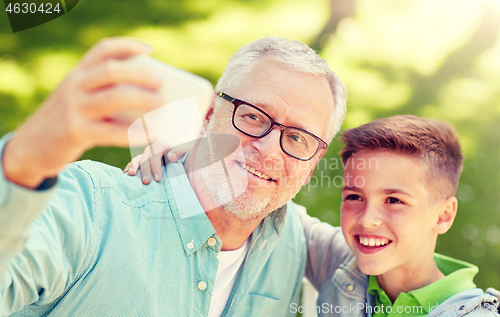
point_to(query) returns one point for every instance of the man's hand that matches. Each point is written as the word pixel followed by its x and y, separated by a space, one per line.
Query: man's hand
pixel 79 114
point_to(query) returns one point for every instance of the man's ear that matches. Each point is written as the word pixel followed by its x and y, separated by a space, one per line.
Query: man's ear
pixel 316 159
pixel 446 216
pixel 210 112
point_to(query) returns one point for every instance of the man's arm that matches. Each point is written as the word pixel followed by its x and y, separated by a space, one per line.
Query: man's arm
pixel 41 263
pixel 326 248
pixel 77 116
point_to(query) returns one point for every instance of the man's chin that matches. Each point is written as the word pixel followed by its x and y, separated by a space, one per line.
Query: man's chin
pixel 247 204
pixel 248 208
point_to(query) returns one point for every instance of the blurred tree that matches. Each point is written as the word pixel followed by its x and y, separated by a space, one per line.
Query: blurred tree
pixel 339 9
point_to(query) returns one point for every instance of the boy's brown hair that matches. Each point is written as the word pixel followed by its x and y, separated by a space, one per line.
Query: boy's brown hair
pixel 435 143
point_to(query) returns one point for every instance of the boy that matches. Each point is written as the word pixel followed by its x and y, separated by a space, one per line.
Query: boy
pixel 400 177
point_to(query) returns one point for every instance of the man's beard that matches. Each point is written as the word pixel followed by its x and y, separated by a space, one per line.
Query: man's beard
pixel 244 206
pixel 242 202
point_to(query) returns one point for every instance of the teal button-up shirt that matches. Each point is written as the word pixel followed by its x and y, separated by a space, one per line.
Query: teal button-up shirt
pixel 102 244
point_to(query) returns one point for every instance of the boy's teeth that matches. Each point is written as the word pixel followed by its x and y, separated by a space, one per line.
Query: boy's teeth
pixel 371 242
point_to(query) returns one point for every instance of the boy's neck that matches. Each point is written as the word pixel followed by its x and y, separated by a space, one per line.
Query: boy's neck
pixel 405 280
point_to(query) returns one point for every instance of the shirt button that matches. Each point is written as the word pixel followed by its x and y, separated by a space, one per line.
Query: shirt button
pixel 212 242
pixel 190 245
pixel 202 286
pixel 350 287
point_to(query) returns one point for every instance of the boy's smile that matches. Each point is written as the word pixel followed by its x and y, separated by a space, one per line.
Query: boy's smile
pixel 386 215
pixel 371 243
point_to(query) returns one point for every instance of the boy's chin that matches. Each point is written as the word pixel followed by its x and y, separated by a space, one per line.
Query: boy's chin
pixel 371 268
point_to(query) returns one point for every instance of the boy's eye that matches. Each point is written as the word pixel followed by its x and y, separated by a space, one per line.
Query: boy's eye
pixel 392 200
pixel 352 197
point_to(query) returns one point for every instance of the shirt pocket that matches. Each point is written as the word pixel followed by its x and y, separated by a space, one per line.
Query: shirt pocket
pixel 261 305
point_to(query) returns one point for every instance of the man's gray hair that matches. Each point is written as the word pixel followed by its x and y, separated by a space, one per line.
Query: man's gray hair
pixel 295 55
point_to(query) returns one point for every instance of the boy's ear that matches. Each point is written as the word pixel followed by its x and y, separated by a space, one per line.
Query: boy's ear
pixel 447 213
pixel 316 160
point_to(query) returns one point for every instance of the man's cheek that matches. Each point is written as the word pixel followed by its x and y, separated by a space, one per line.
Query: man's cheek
pixel 308 176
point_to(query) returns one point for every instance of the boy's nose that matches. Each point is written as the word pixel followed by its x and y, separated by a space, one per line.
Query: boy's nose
pixel 370 217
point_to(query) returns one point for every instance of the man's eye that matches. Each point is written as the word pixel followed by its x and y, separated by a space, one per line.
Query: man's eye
pixel 392 200
pixel 297 138
pixel 252 116
pixel 352 197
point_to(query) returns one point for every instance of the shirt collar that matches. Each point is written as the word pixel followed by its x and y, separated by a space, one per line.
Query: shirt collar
pixel 459 277
pixel 192 223
pixel 377 291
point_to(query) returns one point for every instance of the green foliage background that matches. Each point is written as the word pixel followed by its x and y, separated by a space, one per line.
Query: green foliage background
pixel 438 59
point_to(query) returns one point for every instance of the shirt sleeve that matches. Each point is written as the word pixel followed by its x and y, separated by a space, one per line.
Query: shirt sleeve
pixel 44 240
pixel 326 248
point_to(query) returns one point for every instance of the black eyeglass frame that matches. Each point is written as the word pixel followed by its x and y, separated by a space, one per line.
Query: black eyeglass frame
pixel 237 102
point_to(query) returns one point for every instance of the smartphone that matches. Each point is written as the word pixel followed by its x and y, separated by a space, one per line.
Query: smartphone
pixel 177 84
pixel 186 100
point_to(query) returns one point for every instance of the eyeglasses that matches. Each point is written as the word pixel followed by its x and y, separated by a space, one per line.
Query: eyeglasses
pixel 252 121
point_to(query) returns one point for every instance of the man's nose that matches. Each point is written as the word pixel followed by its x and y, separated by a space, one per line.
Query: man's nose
pixel 269 146
pixel 369 217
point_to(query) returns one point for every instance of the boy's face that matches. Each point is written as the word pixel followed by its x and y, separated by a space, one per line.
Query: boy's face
pixel 386 216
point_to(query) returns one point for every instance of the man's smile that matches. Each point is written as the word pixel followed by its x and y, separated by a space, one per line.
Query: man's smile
pixel 255 172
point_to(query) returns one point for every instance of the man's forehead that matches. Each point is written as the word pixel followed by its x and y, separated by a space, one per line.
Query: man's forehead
pixel 291 97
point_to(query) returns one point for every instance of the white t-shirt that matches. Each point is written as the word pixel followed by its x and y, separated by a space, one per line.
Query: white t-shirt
pixel 229 264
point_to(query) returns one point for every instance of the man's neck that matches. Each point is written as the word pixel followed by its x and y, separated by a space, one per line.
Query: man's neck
pixel 399 280
pixel 232 231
